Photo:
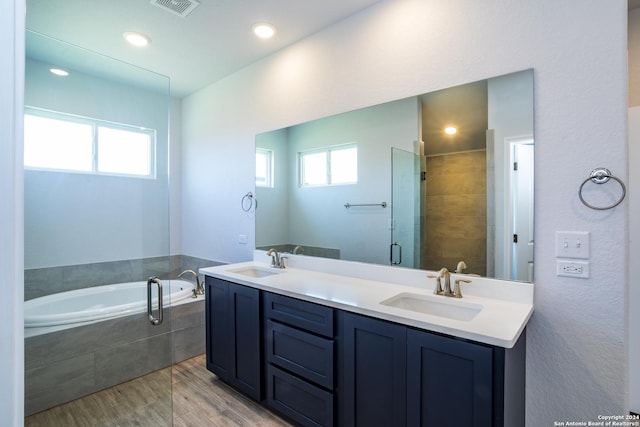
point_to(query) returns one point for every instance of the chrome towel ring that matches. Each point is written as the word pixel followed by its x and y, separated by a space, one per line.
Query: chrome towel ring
pixel 601 176
pixel 247 202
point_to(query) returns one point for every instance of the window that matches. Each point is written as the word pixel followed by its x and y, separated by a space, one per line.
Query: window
pixel 264 168
pixel 63 142
pixel 329 166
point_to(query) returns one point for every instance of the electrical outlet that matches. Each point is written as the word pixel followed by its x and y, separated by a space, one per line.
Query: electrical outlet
pixel 242 239
pixel 577 269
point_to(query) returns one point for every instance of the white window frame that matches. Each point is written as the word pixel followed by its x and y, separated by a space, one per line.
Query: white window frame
pixel 95 124
pixel 327 150
pixel 269 166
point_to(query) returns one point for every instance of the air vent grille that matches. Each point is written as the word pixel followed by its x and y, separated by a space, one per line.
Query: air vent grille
pixel 179 7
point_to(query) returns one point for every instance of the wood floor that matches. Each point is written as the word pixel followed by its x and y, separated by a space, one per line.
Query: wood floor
pixel 198 399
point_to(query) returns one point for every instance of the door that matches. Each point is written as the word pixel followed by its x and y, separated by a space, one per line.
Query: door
pixel 522 210
pixel 406 219
pixel 96 217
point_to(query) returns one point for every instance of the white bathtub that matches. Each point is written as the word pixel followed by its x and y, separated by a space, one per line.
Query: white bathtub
pixel 100 303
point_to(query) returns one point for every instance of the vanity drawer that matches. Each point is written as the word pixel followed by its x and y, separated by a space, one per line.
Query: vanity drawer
pixel 297 399
pixel 306 355
pixel 300 314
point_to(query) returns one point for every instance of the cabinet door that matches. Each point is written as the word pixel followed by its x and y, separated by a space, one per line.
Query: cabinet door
pixel 233 322
pixel 219 336
pixel 449 381
pixel 246 324
pixel 372 372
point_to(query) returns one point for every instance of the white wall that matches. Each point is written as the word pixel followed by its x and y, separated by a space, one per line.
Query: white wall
pixel 634 256
pixel 634 208
pixel 11 246
pixel 577 351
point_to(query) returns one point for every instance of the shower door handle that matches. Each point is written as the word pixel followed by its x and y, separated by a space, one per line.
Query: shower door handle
pixel 399 261
pixel 152 319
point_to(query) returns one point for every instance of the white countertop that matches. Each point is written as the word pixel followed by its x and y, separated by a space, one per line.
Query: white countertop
pixel 500 322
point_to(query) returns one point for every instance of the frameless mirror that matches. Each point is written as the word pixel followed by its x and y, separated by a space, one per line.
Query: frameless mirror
pixel 443 179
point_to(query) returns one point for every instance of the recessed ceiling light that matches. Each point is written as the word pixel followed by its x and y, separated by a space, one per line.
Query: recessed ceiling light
pixel 450 130
pixel 263 30
pixel 136 39
pixel 59 72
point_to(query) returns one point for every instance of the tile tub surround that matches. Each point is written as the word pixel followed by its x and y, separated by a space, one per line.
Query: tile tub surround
pixel 64 365
pixel 360 288
pixel 50 280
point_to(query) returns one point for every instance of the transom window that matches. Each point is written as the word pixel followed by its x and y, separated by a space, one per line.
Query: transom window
pixel 336 165
pixel 64 142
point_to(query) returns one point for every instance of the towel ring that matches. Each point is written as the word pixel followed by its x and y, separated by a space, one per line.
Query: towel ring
pixel 251 199
pixel 601 176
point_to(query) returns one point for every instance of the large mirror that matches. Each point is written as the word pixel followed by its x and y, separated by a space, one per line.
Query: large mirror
pixel 423 182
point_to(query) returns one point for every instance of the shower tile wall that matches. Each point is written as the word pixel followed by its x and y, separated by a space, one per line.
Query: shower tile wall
pixel 44 281
pixel 456 206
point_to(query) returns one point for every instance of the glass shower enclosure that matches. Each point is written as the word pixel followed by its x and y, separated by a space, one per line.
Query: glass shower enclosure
pixel 96 216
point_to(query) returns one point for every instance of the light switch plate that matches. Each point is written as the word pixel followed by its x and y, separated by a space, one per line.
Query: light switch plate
pixel 572 244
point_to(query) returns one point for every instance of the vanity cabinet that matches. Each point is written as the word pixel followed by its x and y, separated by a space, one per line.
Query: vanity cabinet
pixel 320 366
pixel 300 359
pixel 373 372
pixel 395 375
pixel 234 339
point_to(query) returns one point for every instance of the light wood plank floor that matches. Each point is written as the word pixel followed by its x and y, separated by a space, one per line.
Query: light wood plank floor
pixel 199 399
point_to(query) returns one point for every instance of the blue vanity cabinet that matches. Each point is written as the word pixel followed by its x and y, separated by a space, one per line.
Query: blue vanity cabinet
pixel 300 359
pixel 450 382
pixel 395 375
pixel 233 339
pixel 373 376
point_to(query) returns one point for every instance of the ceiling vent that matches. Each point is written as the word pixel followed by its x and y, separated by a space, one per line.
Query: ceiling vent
pixel 179 7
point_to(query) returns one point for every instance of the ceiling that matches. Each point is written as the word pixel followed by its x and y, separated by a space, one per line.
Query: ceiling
pixel 210 43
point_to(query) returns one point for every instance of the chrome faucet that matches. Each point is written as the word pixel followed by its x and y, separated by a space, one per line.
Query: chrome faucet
pixel 276 260
pixel 199 290
pixel 298 249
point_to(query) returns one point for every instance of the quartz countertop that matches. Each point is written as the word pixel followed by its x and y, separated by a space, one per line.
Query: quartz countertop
pixel 500 321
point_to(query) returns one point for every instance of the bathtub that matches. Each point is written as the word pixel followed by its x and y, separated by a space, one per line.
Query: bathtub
pixel 100 303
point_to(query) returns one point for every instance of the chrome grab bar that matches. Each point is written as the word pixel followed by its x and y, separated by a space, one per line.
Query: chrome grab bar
pixel 154 320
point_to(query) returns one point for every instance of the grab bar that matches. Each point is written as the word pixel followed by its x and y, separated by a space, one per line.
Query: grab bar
pixel 383 204
pixel 154 320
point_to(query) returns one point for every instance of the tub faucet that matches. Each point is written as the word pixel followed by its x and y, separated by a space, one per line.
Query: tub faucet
pixel 199 290
pixel 275 259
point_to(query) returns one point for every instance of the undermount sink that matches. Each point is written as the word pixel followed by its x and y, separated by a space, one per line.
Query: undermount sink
pixel 254 272
pixel 435 306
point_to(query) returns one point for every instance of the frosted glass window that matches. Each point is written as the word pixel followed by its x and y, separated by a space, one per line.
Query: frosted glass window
pixel 64 142
pixel 344 166
pixel 124 152
pixel 56 144
pixel 329 166
pixel 264 167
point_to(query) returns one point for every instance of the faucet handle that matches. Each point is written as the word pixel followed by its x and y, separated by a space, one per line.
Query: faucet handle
pixel 438 290
pixel 282 258
pixel 457 293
